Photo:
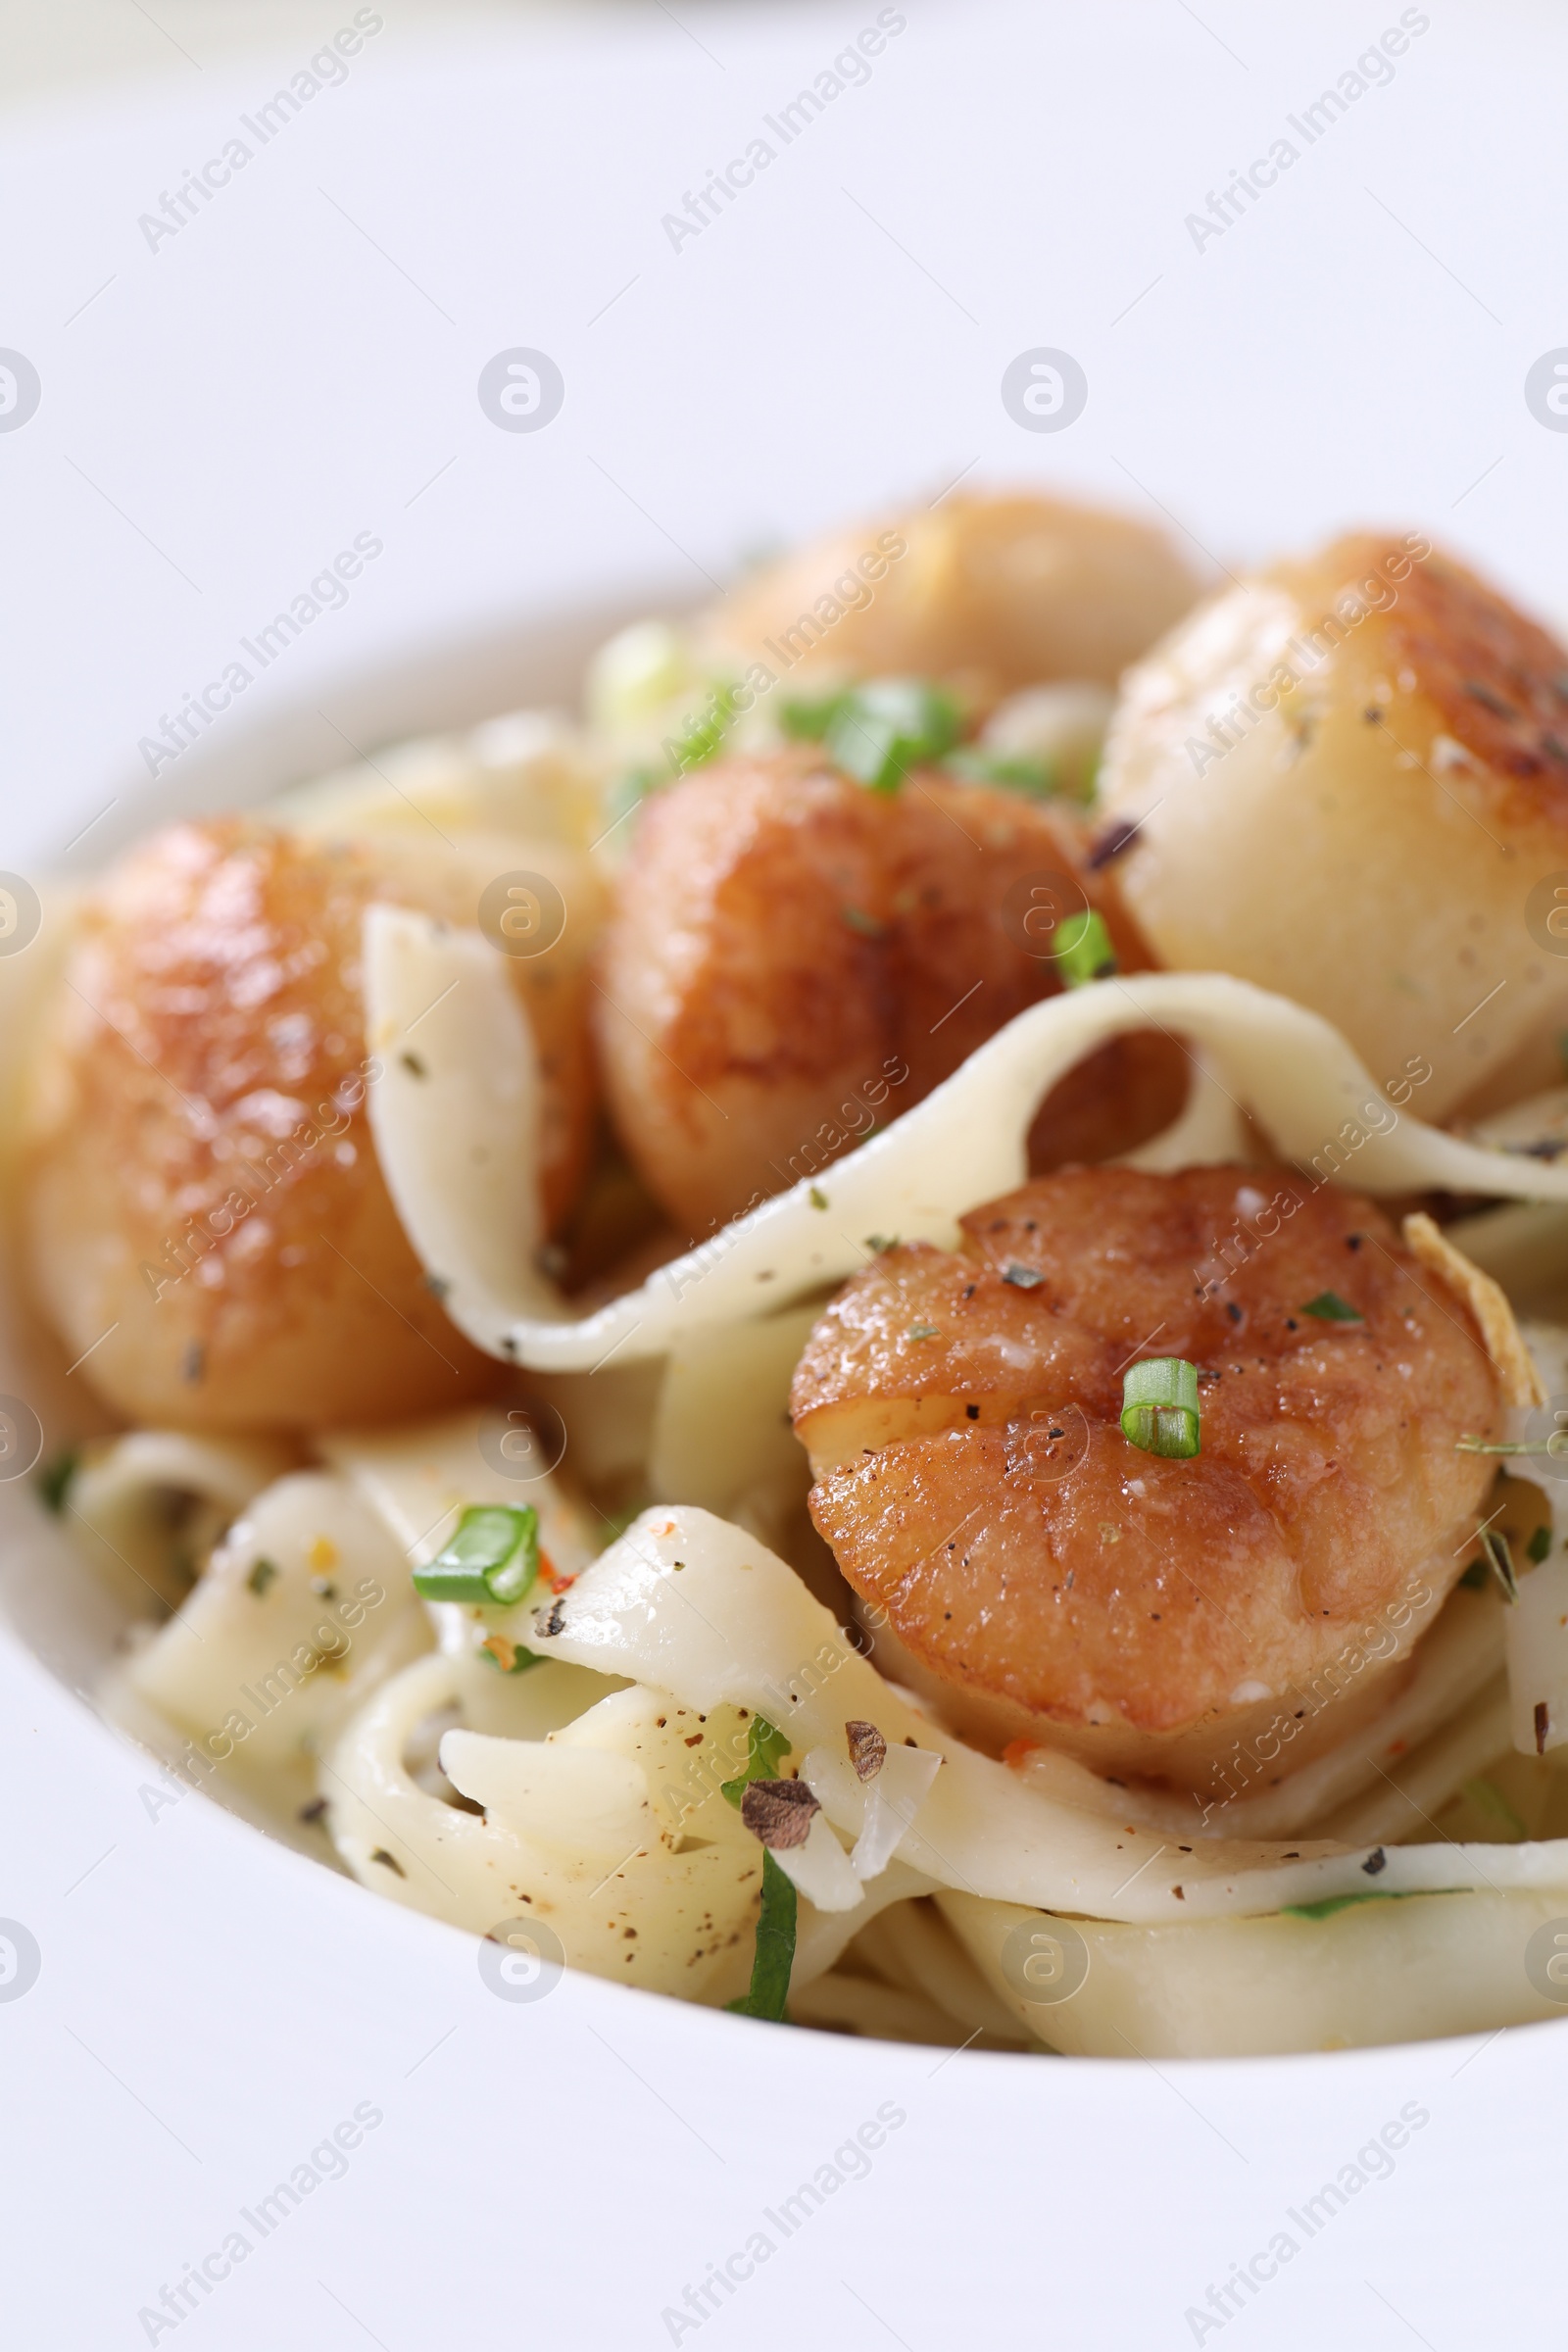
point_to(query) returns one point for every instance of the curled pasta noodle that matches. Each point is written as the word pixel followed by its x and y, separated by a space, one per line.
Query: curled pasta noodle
pixel 611 1831
pixel 303 1609
pixel 151 1505
pixel 694 1606
pixel 1377 1971
pixel 963 1145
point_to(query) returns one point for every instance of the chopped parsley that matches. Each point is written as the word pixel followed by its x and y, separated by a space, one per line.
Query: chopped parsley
pixel 260 1576
pixel 766 1750
pixel 774 1956
pixel 1539 1544
pixel 508 1655
pixel 54 1479
pixel 816 1197
pixel 1342 1902
pixel 1329 1308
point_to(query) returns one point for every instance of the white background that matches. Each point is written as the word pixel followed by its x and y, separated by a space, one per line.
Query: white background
pixel 220 416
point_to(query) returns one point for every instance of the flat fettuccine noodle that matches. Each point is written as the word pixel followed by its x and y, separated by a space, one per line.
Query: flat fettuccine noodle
pixel 442 1138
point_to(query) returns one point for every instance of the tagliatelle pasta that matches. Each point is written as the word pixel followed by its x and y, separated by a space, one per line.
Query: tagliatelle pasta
pixel 1294 1075
pixel 1041 1574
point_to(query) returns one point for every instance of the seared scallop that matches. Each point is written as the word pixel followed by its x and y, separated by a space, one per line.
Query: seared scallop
pixel 1046 1578
pixel 1349 782
pixel 989 593
pixel 792 959
pixel 209 1228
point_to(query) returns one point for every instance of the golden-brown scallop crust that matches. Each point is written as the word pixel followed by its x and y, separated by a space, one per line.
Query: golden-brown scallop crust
pixel 792 956
pixel 961 1411
pixel 205 1209
pixel 1346 780
pixel 989 591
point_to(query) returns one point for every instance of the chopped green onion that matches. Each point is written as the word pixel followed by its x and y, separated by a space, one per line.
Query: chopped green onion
pixel 878 732
pixel 1085 951
pixel 1539 1544
pixel 1012 772
pixel 776 1947
pixel 808 717
pixel 492 1558
pixel 54 1479
pixel 766 1750
pixel 703 735
pixel 1159 1407
pixel 1329 1308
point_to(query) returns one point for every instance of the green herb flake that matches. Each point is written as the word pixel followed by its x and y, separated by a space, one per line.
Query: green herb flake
pixel 1010 772
pixel 1539 1544
pixel 1342 1902
pixel 1022 1278
pixel 508 1656
pixel 817 1198
pixel 491 1557
pixel 922 1330
pixel 1084 952
pixel 703 735
pixel 882 729
pixel 865 925
pixel 1474 1579
pixel 54 1479
pixel 806 718
pixel 766 1750
pixel 260 1576
pixel 1329 1308
pixel 878 1242
pixel 1159 1411
pixel 775 1948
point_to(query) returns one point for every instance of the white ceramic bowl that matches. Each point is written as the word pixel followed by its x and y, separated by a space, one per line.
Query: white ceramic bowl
pixel 603 2166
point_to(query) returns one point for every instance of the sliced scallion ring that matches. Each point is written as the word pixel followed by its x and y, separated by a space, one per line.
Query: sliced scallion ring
pixel 491 1557
pixel 1085 951
pixel 1159 1407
